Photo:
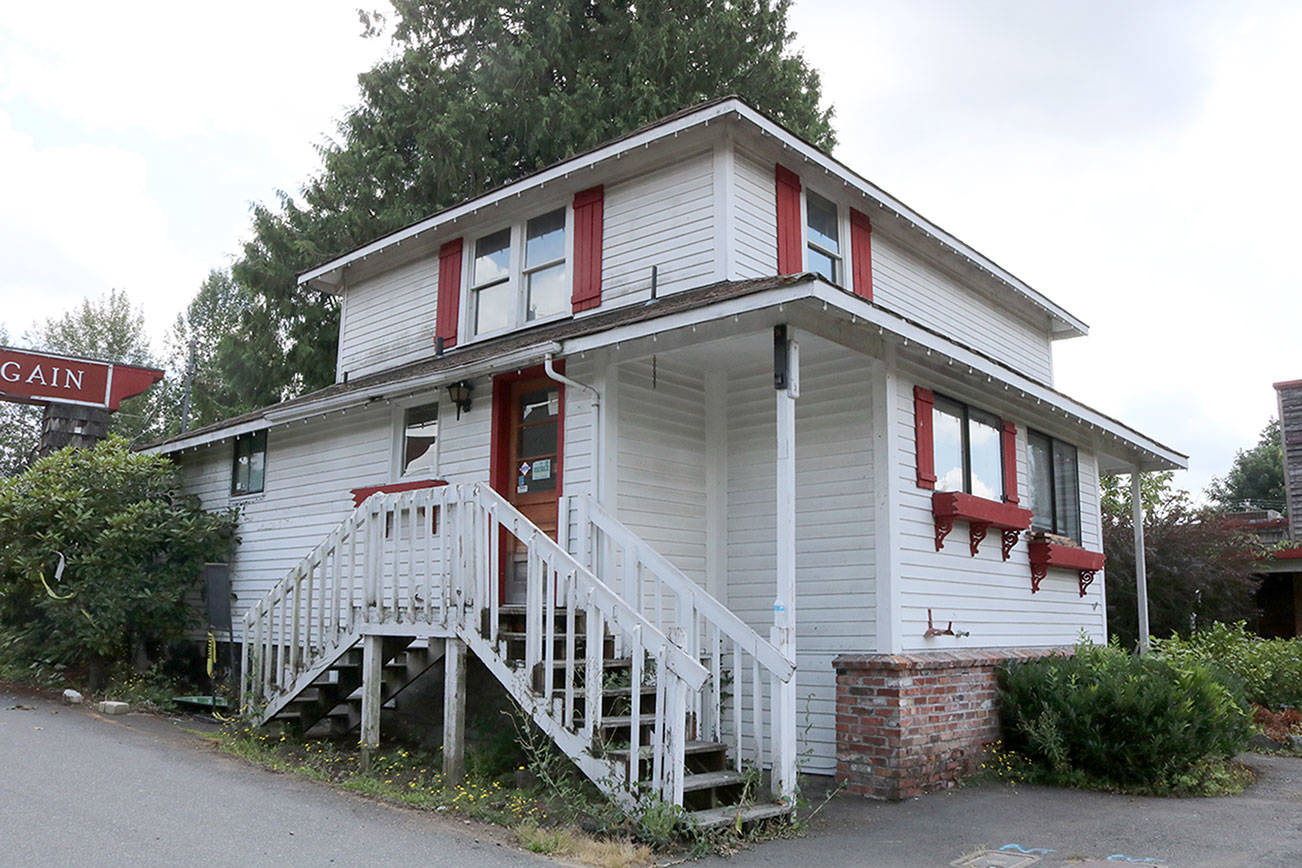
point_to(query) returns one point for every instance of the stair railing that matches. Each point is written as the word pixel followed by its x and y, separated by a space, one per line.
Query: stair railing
pixel 382 564
pixel 742 664
pixel 561 589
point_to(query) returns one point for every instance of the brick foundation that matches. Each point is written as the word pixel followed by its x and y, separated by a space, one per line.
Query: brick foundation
pixel 908 724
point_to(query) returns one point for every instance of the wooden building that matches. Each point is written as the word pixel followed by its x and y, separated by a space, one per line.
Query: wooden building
pixel 716 454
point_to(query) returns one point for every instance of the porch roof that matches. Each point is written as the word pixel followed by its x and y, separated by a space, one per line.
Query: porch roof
pixel 766 297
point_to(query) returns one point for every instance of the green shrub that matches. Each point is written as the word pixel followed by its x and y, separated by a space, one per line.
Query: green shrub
pixel 1268 671
pixel 134 549
pixel 1106 717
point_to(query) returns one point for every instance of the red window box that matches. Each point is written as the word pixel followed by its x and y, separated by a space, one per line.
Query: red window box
pixel 1050 552
pixel 360 494
pixel 980 515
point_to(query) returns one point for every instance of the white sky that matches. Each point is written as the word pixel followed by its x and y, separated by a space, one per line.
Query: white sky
pixel 1135 161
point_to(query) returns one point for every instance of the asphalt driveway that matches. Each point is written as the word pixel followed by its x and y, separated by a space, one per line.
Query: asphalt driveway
pixel 80 789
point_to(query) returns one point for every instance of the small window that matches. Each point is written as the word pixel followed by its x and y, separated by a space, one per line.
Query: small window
pixel 1054 471
pixel 544 266
pixel 420 440
pixel 250 467
pixel 824 237
pixel 490 286
pixel 519 274
pixel 968 449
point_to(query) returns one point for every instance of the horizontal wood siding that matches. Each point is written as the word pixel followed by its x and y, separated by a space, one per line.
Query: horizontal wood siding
pixel 910 285
pixel 661 438
pixel 989 598
pixel 835 589
pixel 755 218
pixel 388 320
pixel 664 218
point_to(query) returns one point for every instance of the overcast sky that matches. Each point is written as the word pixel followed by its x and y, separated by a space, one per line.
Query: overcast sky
pixel 1135 161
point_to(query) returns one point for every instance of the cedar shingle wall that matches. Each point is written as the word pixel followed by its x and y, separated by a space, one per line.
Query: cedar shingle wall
pixel 1290 414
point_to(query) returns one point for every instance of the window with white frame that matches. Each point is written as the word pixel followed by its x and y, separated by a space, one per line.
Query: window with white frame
pixel 1054 485
pixel 823 237
pixel 249 468
pixel 968 449
pixel 519 274
pixel 420 434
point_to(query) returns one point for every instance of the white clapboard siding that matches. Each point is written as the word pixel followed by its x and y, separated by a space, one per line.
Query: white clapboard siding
pixel 388 320
pixel 755 218
pixel 663 218
pixel 661 437
pixel 576 450
pixel 910 285
pixel 464 449
pixel 984 595
pixel 835 587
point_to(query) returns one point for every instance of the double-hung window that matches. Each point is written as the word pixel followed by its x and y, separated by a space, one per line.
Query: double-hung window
pixel 249 469
pixel 1054 486
pixel 420 436
pixel 519 274
pixel 968 450
pixel 823 237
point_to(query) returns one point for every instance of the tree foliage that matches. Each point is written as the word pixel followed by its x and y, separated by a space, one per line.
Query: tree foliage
pixel 1256 478
pixel 1199 566
pixel 134 549
pixel 476 94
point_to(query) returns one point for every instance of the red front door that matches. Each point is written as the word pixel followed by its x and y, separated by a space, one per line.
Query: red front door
pixel 527 443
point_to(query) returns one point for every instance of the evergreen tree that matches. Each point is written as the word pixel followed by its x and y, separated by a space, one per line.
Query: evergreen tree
pixel 1256 478
pixel 476 94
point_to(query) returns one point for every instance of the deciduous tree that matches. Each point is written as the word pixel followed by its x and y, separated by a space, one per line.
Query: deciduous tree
pixel 1256 478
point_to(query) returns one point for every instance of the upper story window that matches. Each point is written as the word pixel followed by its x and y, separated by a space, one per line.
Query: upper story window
pixel 1054 485
pixel 823 237
pixel 420 434
pixel 249 469
pixel 968 449
pixel 519 274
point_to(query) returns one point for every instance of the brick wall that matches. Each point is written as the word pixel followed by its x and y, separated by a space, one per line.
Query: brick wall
pixel 908 724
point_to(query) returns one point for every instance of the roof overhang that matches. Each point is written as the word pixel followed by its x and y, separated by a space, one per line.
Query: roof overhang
pixel 329 277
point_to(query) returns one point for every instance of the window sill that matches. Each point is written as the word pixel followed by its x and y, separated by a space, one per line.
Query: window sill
pixel 365 491
pixel 251 497
pixel 981 515
pixel 519 327
pixel 1045 554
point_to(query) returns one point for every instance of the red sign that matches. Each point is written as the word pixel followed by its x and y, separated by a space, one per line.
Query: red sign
pixel 42 378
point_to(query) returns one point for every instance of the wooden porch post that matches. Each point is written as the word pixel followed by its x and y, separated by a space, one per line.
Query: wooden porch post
pixel 1141 568
pixel 454 711
pixel 372 675
pixel 786 383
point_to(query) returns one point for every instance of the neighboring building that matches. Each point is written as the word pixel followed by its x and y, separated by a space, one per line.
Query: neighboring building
pixel 768 412
pixel 1280 594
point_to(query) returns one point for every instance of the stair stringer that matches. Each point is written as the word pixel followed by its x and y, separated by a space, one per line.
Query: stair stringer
pixel 304 679
pixel 605 774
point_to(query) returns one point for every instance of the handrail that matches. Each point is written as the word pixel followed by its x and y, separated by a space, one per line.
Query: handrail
pixel 729 623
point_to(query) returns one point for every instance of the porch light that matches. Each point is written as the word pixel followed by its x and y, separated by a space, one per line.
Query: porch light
pixel 459 393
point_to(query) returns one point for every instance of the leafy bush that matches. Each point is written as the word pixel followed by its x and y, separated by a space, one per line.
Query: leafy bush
pixel 1268 671
pixel 134 550
pixel 1104 717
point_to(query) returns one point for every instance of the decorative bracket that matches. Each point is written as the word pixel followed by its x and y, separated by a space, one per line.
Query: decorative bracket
pixel 1038 572
pixel 1086 579
pixel 976 531
pixel 1010 539
pixel 944 524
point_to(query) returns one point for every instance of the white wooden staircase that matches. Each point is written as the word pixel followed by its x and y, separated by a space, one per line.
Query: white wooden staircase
pixel 655 689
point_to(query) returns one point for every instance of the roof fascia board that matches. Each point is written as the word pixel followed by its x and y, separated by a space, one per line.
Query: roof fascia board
pixel 885 200
pixel 558 172
pixel 859 309
pixel 272 417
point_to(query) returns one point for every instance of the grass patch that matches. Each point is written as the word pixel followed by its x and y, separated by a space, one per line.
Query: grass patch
pixel 574 844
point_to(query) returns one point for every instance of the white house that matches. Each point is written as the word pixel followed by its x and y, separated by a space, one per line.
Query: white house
pixel 700 410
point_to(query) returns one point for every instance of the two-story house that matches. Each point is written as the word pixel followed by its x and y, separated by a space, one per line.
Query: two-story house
pixel 716 454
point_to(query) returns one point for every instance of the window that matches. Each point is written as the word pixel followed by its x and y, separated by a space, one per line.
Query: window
pixel 420 434
pixel 1054 485
pixel 250 466
pixel 519 274
pixel 824 237
pixel 968 450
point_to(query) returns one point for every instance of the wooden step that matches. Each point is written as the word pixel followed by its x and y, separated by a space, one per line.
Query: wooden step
pixel 728 815
pixel 647 751
pixel 712 780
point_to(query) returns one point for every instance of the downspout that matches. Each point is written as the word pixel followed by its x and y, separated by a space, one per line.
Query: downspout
pixel 556 375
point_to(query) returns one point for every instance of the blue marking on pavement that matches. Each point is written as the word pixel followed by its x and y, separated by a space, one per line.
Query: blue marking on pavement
pixel 1143 860
pixel 1030 851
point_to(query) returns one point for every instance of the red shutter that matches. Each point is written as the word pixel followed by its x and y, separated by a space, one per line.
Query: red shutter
pixel 1009 443
pixel 449 293
pixel 791 249
pixel 861 253
pixel 588 213
pixel 923 402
